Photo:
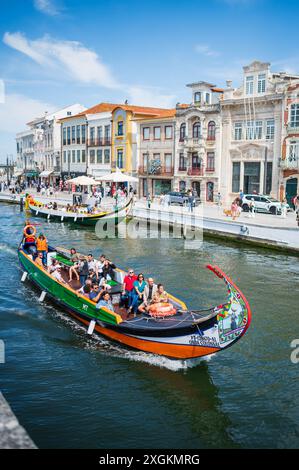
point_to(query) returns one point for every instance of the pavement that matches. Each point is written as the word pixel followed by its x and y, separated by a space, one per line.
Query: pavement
pixel 12 434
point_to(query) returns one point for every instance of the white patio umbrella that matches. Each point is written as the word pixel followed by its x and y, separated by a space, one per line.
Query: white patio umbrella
pixel 83 181
pixel 118 177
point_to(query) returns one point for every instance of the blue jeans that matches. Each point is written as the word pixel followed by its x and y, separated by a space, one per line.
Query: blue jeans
pixel 135 302
pixel 83 278
pixel 44 253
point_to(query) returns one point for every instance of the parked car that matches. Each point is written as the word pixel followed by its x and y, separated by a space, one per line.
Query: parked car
pixel 181 198
pixel 263 203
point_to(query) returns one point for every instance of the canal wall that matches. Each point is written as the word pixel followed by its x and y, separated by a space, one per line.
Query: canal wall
pixel 247 232
pixel 12 434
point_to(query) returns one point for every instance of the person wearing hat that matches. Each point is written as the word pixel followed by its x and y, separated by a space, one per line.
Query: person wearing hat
pixel 42 247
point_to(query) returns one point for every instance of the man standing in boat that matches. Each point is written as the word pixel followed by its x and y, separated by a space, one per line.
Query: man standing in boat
pixel 42 247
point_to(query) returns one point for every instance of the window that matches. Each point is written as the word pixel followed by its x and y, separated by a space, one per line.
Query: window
pixel 293 154
pixel 197 97
pixel 120 159
pixel 196 130
pixel 261 83
pixel 100 135
pixel 78 134
pixel 69 136
pixel 99 156
pixel 168 162
pixel 107 135
pixel 270 127
pixel 238 131
pixel 73 156
pixel 294 122
pixel 92 155
pixel 258 129
pixel 83 128
pixel 182 186
pixel 251 177
pixel 107 156
pixel 182 162
pixel 64 157
pixel 146 133
pixel 250 130
pixel 211 130
pixel 182 132
pixel 210 161
pixel 78 156
pixel 236 177
pixel 64 136
pixel 249 85
pixel 168 132
pixel 73 134
pixel 69 156
pixel 207 98
pixel 145 160
pixel 83 157
pixel 92 135
pixel 157 133
pixel 120 128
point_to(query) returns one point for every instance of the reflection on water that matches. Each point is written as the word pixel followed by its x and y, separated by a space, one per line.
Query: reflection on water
pixel 70 390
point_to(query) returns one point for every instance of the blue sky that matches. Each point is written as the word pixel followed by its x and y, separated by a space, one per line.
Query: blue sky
pixel 57 52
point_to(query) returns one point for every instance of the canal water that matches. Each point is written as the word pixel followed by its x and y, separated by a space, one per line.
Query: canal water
pixel 72 391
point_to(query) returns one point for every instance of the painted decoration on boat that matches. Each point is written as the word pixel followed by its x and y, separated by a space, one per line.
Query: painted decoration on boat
pixel 233 317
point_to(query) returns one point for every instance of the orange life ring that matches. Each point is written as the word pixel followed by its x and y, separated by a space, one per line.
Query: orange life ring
pixel 162 309
pixel 29 234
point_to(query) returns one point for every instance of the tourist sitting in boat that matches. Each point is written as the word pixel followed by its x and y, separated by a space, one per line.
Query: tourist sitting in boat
pixel 57 274
pixel 55 206
pixel 92 275
pixel 68 208
pixel 39 260
pixel 99 265
pixel 88 282
pixel 127 291
pixel 107 270
pixel 86 290
pixel 105 302
pixel 137 294
pixel 53 266
pixel 148 294
pixel 91 262
pixel 94 291
pixel 74 269
pixel 42 247
pixel 50 205
pixel 160 295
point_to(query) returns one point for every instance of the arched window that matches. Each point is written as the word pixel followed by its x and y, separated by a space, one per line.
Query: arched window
pixel 211 130
pixel 182 132
pixel 196 130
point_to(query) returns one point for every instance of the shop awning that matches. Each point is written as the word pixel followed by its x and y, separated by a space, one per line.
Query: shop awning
pixel 45 174
pixel 31 174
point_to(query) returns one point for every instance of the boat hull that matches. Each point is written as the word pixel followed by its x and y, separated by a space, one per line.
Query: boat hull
pixel 115 216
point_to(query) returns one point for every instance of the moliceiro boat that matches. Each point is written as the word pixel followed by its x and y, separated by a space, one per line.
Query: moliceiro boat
pixel 176 332
pixel 60 214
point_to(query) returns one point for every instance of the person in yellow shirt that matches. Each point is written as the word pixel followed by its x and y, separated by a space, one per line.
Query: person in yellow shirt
pixel 42 247
pixel 39 259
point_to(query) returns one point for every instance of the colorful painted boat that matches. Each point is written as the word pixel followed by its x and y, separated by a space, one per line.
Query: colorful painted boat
pixel 187 334
pixel 60 215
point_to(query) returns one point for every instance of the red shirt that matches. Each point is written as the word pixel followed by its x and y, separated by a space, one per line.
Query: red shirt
pixel 129 281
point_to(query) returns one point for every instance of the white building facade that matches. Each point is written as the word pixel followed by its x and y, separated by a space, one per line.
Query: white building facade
pixel 252 121
pixel 198 142
pixel 99 144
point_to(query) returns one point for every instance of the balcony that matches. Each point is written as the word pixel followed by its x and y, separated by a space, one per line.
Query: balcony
pixel 290 163
pixel 99 142
pixel 194 171
pixel 158 171
pixel 194 141
pixel 182 168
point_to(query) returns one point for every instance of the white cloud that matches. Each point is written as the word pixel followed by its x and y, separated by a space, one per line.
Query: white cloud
pixel 74 61
pixel 47 6
pixel 17 110
pixel 150 96
pixel 206 50
pixel 64 57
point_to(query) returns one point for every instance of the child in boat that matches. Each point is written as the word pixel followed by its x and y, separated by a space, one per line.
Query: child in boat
pixel 74 269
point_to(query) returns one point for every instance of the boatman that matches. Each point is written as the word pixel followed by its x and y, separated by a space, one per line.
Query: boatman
pixel 42 247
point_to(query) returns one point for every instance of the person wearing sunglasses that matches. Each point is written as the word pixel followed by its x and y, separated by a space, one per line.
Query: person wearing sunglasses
pixel 127 291
pixel 137 293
